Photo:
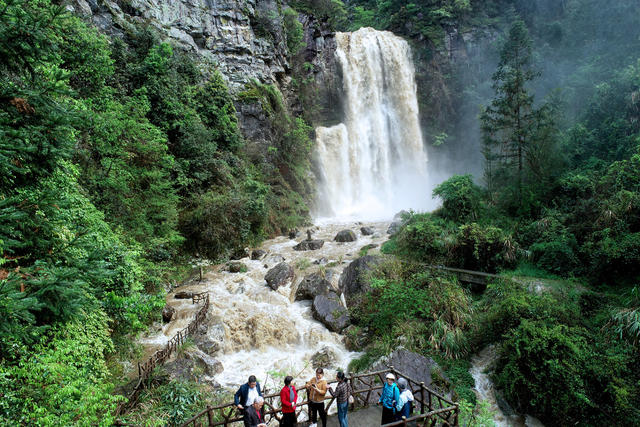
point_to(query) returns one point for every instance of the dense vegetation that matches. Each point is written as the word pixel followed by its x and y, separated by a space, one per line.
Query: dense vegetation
pixel 557 214
pixel 119 159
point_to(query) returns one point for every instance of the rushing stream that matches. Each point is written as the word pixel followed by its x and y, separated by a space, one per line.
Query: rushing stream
pixel 261 331
pixel 485 391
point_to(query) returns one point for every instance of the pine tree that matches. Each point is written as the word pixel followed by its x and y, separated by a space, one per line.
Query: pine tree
pixel 510 122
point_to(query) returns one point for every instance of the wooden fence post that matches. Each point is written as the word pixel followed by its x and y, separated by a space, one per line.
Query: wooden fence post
pixel 210 415
pixel 422 398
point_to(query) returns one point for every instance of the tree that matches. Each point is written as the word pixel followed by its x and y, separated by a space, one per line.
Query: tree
pixel 512 127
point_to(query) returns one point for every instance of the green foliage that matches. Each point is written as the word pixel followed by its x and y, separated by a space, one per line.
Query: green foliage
pixel 541 368
pixel 460 198
pixel 428 310
pixel 293 31
pixel 64 381
pixel 333 12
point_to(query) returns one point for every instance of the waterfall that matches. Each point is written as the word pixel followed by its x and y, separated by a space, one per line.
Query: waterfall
pixel 374 163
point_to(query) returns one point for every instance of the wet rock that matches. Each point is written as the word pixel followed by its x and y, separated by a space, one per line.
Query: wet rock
pixel 400 216
pixel 167 313
pixel 366 231
pixel 346 236
pixel 295 233
pixel 352 281
pixel 237 267
pixel 325 358
pixel 328 310
pixel 183 295
pixel 321 261
pixel 394 227
pixel 208 364
pixel 210 339
pixel 239 253
pixel 504 405
pixel 311 286
pixel 368 247
pixel 279 275
pixel 309 245
pixel 258 254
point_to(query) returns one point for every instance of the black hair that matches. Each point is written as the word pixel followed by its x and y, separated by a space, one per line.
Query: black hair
pixel 319 371
pixel 252 379
pixel 340 375
pixel 288 380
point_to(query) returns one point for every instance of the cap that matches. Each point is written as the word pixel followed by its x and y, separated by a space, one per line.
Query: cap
pixel 390 375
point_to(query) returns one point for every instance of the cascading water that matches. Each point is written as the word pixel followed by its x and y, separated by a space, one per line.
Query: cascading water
pixel 373 164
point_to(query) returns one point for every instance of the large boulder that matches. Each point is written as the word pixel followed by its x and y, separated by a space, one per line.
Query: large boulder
pixel 353 282
pixel 167 313
pixel 210 338
pixel 415 366
pixel 346 236
pixel 279 275
pixel 394 227
pixel 311 286
pixel 366 231
pixel 208 364
pixel 328 310
pixel 309 245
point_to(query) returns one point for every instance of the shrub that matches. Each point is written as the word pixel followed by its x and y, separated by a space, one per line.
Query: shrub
pixel 484 248
pixel 460 198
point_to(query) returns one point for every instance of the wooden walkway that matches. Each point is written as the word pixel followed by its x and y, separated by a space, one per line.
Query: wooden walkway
pixel 430 408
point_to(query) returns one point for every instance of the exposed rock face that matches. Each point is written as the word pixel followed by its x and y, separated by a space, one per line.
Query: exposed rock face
pixel 416 366
pixel 394 227
pixel 352 283
pixel 346 236
pixel 366 231
pixel 329 311
pixel 311 286
pixel 309 245
pixel 167 313
pixel 208 364
pixel 279 275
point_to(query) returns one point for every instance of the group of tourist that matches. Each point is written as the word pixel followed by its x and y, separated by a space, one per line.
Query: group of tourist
pixel 396 400
pixel 249 400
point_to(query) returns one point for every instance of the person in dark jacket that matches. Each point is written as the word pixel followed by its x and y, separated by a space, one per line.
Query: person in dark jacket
pixel 253 414
pixel 288 399
pixel 247 393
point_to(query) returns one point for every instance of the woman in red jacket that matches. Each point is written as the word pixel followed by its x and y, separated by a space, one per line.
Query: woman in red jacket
pixel 288 399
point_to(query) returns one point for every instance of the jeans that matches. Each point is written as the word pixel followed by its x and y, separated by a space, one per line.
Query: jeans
pixel 342 414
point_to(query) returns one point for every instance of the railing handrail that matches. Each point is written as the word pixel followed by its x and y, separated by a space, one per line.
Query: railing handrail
pixel 425 400
pixel 160 356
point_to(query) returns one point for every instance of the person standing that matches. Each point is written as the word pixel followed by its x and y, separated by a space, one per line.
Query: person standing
pixel 247 393
pixel 288 399
pixel 342 394
pixel 389 399
pixel 253 414
pixel 405 401
pixel 317 389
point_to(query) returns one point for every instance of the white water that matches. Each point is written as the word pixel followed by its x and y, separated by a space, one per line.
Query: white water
pixel 485 391
pixel 374 164
pixel 262 331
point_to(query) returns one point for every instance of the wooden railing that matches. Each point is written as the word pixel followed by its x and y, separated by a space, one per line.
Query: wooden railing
pixel 434 409
pixel 159 357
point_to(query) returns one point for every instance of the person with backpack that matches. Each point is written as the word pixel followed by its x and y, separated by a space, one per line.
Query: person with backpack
pixel 389 399
pixel 404 406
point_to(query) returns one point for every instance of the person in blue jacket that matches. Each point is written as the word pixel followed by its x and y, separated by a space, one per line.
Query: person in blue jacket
pixel 389 399
pixel 247 393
